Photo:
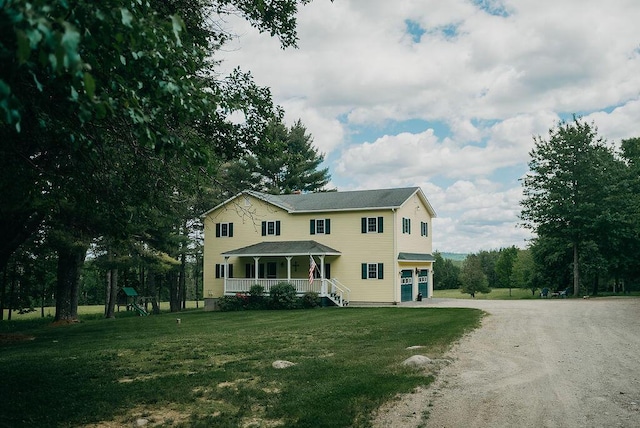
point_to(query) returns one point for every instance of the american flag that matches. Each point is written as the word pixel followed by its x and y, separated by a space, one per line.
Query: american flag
pixel 312 267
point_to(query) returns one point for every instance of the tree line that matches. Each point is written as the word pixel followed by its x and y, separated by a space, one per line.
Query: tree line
pixel 581 198
pixel 117 131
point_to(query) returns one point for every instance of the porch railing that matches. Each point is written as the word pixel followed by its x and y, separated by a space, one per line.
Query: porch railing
pixel 243 285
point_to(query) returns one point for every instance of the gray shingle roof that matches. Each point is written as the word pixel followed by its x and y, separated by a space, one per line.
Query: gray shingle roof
pixel 283 248
pixel 354 200
pixel 332 201
pixel 416 257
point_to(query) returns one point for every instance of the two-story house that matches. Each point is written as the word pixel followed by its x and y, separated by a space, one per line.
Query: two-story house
pixel 357 247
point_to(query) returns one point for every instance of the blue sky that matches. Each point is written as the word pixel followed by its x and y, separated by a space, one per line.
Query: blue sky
pixel 448 95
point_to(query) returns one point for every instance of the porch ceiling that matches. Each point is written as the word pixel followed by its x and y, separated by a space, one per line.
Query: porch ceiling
pixel 283 248
pixel 416 257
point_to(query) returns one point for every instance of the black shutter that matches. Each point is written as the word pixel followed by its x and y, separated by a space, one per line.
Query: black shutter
pixel 312 227
pixel 278 227
pixel 217 230
pixel 264 228
pixel 327 226
pixel 364 271
pixel 380 270
pixel 261 270
pixel 247 270
pixel 230 272
pixel 364 225
pixel 230 230
pixel 327 270
pixel 409 226
pixel 217 270
pixel 380 221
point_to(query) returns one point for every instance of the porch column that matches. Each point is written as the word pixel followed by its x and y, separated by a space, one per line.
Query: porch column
pixel 289 268
pixel 323 287
pixel 226 273
pixel 256 268
pixel 430 283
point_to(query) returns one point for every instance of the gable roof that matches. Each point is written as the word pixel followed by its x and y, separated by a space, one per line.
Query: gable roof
pixel 356 200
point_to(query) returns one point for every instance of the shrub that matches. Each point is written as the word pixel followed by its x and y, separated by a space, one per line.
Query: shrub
pixel 310 300
pixel 256 297
pixel 283 296
pixel 238 302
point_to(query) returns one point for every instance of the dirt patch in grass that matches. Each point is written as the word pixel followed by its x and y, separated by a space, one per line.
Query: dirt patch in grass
pixel 153 418
pixel 15 337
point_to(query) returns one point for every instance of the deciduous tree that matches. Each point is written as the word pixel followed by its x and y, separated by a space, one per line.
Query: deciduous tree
pixel 569 177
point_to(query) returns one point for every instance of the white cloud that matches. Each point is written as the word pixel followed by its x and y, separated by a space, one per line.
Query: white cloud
pixel 494 81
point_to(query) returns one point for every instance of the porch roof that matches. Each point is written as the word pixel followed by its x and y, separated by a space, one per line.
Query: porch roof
pixel 416 257
pixel 284 248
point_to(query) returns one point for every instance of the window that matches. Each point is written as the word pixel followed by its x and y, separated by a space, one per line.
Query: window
pixel 224 230
pixel 320 226
pixel 220 271
pixel 372 224
pixel 406 225
pixel 271 228
pixel 250 270
pixel 372 270
pixel 424 229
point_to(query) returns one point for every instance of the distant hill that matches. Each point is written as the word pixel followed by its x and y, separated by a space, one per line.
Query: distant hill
pixel 456 257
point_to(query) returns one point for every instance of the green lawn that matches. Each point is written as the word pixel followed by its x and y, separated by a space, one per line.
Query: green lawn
pixel 516 294
pixel 215 369
pixel 50 311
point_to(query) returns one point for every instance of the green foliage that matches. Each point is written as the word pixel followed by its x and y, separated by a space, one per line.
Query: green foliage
pixel 113 118
pixel 446 274
pixel 285 162
pixel 238 302
pixel 579 195
pixel 504 265
pixel 472 277
pixel 524 271
pixel 310 300
pixel 257 298
pixel 283 296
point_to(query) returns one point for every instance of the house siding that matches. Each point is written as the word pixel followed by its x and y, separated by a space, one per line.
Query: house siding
pixel 247 213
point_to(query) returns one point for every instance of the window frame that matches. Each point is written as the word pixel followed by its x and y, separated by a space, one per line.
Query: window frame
pixel 220 227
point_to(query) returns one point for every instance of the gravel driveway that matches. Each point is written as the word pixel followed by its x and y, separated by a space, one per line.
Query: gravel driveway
pixel 535 363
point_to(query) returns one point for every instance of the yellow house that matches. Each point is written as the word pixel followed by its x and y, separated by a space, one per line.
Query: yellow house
pixel 356 247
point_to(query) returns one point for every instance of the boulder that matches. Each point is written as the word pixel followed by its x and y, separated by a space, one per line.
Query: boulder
pixel 282 364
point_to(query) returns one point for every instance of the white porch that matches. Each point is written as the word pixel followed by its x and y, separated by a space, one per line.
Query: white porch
pixel 314 270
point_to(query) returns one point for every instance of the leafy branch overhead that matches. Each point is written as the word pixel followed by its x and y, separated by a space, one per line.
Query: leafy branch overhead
pixel 113 116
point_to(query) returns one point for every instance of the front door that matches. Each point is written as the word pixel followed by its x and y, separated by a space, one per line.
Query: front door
pixel 406 285
pixel 272 270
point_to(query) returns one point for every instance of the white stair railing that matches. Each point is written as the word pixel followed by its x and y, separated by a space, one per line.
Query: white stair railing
pixel 338 293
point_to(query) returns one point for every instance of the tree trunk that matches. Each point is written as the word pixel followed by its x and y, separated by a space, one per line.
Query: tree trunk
pixel 153 292
pixel 182 280
pixel 2 291
pixel 112 293
pixel 576 271
pixel 70 260
pixel 174 292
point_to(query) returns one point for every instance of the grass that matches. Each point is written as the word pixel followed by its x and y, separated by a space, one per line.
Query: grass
pixel 496 294
pixel 50 311
pixel 215 369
